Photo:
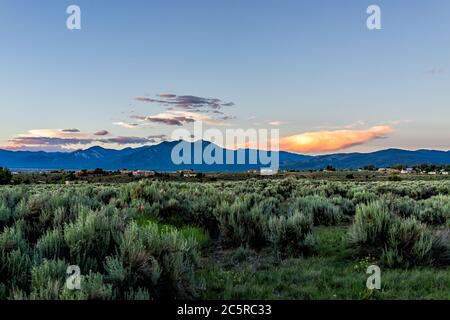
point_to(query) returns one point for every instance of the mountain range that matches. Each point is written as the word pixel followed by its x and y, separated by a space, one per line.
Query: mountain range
pixel 158 157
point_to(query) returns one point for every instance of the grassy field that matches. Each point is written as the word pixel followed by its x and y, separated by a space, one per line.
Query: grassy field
pixel 330 275
pixel 288 238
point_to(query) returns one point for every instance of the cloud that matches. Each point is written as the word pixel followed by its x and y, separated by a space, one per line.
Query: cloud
pixel 188 102
pixel 48 141
pixel 101 133
pixel 179 118
pixel 326 141
pixel 126 125
pixel 227 118
pixel 158 137
pixel 130 140
pixel 55 132
pixel 276 123
pixel 165 119
pixel 57 140
pixel 436 71
pixel 70 130
pixel 51 138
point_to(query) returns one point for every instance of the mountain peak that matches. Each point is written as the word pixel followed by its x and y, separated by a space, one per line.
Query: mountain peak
pixel 158 157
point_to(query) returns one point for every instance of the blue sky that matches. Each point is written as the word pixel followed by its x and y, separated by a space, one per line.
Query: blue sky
pixel 310 68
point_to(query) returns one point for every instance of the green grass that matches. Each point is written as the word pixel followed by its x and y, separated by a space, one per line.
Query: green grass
pixel 198 234
pixel 331 274
pixel 203 244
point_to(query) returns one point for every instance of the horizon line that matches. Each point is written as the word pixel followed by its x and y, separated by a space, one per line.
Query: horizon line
pixel 201 140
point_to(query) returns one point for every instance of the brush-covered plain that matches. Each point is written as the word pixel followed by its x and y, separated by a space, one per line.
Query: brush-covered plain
pixel 254 239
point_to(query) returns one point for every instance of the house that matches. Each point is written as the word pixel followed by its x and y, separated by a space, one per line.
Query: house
pixel 268 172
pixel 388 171
pixel 69 183
pixel 187 173
pixel 408 171
pixel 433 173
pixel 143 173
pixel 445 173
pixel 253 171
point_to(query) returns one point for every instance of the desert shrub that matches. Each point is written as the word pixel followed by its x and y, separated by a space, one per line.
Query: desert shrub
pixel 177 258
pixel 12 238
pixel 322 211
pixel 161 263
pixel 92 287
pixel 331 189
pixel 371 225
pixel 5 216
pixel 29 211
pixel 396 241
pixel 395 178
pixel 10 197
pixel 432 216
pixel 3 291
pixel 364 197
pixel 15 263
pixel 347 207
pixel 90 239
pixel 17 268
pixel 145 209
pixel 404 207
pixel 241 254
pixel 139 294
pixel 408 243
pixel 61 216
pixel 48 279
pixel 202 203
pixel 440 249
pixel 243 223
pixel 291 235
pixel 51 245
pixel 106 194
pixel 435 211
pixel 133 266
pixel 17 294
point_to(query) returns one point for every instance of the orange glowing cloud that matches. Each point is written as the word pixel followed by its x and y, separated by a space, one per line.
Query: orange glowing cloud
pixel 326 141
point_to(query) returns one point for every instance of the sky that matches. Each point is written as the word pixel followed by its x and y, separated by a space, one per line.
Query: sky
pixel 138 70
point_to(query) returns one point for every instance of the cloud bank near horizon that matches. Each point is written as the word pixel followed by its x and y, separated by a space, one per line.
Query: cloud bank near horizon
pixel 330 141
pixel 64 140
pixel 307 142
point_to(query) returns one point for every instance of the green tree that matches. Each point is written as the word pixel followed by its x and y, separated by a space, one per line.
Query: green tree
pixel 5 176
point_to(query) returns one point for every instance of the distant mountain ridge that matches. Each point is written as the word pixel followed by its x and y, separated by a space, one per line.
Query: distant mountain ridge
pixel 158 157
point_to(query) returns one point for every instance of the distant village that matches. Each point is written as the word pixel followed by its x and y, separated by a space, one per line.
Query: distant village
pixel 99 175
pixel 423 169
pixel 412 171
